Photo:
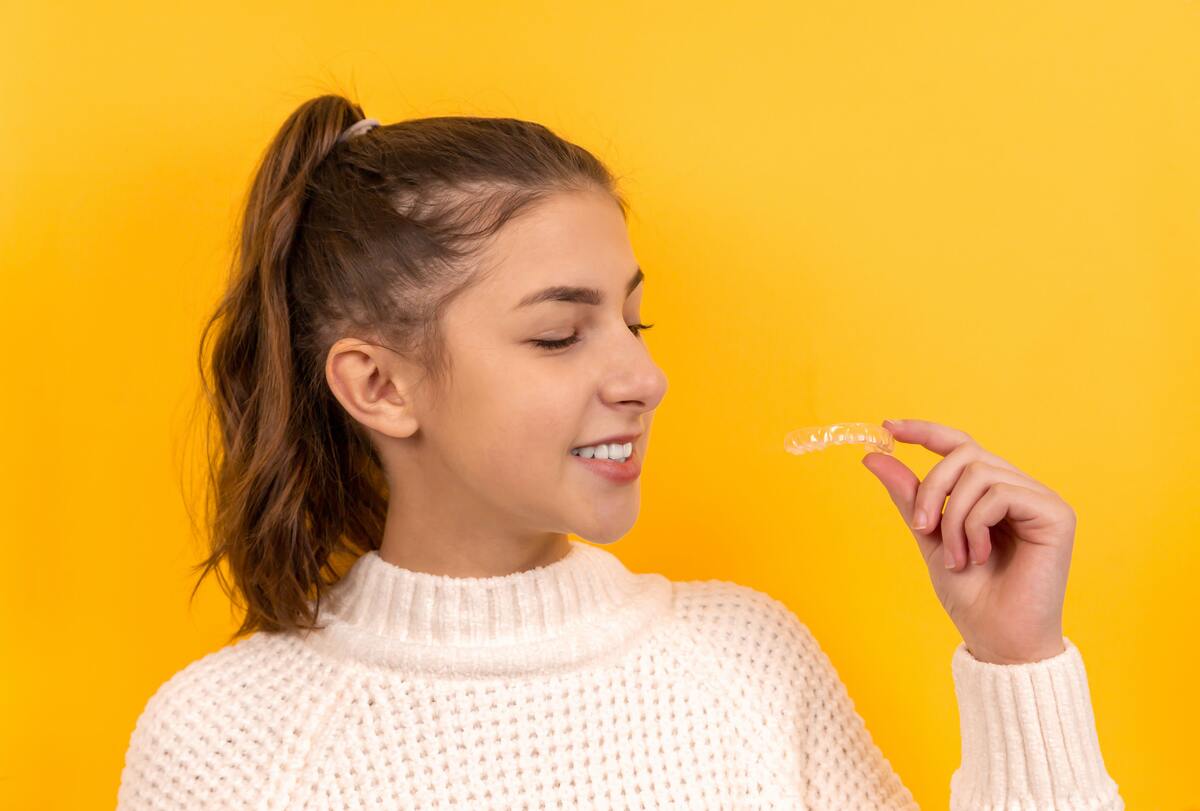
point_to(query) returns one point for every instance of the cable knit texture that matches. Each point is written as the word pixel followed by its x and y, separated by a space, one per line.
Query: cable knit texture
pixel 578 684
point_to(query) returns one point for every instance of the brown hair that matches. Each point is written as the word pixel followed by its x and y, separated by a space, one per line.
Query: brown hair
pixel 370 238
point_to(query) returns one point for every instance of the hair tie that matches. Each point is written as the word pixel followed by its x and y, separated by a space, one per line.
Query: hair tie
pixel 357 128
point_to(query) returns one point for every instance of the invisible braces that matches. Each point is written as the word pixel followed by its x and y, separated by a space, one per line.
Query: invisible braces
pixel 820 437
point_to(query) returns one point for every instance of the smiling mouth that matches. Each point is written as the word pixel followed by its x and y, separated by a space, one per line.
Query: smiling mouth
pixel 590 454
pixel 619 471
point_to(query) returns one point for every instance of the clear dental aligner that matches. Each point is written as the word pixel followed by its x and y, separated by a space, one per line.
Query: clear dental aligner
pixel 820 437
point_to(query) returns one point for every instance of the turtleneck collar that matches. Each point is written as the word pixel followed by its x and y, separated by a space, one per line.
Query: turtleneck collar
pixel 582 607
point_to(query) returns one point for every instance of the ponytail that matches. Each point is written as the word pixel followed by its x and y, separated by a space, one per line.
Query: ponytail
pixel 371 237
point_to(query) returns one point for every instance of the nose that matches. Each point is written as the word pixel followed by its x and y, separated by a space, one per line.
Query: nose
pixel 638 381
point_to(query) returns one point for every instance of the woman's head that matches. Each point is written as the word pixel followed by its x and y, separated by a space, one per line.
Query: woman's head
pixel 371 358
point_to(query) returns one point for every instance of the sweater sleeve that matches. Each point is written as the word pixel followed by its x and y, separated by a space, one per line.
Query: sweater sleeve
pixel 1028 736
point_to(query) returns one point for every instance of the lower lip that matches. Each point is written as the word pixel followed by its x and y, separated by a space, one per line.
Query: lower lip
pixel 620 472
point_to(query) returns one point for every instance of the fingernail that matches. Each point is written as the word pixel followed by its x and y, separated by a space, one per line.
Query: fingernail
pixel 949 561
pixel 891 423
pixel 919 520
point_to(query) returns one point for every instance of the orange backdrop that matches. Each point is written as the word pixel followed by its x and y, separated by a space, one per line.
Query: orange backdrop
pixel 982 214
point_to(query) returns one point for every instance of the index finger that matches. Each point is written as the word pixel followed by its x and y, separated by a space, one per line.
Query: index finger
pixel 940 439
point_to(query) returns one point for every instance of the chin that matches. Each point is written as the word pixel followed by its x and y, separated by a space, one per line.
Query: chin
pixel 606 534
pixel 604 519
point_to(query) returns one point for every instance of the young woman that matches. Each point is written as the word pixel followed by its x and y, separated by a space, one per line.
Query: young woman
pixel 428 372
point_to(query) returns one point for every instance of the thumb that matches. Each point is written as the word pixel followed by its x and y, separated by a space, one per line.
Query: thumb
pixel 901 485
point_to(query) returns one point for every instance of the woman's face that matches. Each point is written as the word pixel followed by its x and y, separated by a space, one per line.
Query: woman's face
pixel 492 453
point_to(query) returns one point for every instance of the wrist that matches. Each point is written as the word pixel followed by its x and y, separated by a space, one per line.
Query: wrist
pixel 1018 656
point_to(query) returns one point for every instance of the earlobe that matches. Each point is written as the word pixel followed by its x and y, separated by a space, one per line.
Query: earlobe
pixel 369 388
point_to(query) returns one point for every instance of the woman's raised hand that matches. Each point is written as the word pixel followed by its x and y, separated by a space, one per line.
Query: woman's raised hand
pixel 999 554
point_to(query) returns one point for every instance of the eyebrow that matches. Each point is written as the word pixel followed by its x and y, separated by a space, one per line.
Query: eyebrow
pixel 577 295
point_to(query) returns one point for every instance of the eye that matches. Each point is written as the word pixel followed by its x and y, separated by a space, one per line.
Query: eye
pixel 565 342
pixel 557 344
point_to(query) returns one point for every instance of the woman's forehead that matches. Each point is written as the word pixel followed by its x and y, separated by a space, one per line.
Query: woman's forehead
pixel 569 240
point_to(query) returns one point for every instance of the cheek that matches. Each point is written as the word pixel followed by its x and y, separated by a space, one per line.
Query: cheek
pixel 520 411
pixel 542 407
pixel 547 423
pixel 516 425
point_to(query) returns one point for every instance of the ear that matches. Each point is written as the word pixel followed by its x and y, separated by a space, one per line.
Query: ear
pixel 374 385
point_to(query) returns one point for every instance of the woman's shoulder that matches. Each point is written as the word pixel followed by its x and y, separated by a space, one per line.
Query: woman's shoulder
pixel 226 673
pixel 736 620
pixel 751 643
pixel 212 717
pixel 726 602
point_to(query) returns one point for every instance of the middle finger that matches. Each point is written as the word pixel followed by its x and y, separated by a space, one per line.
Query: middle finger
pixel 941 479
pixel 976 479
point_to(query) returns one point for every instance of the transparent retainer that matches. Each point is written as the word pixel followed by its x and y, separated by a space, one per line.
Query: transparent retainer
pixel 820 437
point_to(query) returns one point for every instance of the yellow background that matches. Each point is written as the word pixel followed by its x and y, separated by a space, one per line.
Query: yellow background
pixel 982 214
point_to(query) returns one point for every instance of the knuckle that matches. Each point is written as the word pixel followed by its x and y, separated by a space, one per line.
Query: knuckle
pixel 968 453
pixel 977 467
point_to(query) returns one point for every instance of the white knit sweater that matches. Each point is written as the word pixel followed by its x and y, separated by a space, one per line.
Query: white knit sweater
pixel 578 684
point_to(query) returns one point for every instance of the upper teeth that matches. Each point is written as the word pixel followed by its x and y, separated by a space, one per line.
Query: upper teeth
pixel 605 451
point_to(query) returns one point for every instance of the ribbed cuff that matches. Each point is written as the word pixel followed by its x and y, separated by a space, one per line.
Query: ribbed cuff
pixel 1028 736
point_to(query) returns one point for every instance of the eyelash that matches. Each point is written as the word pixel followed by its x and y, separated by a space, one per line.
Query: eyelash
pixel 565 342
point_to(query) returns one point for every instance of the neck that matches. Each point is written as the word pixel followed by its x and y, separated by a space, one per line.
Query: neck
pixel 460 555
pixel 459 537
